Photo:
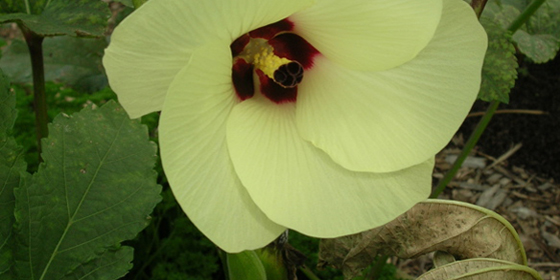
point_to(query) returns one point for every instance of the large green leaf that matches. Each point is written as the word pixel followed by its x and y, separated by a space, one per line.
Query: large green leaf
pixel 95 189
pixel 111 265
pixel 11 165
pixel 69 60
pixel 60 17
pixel 500 65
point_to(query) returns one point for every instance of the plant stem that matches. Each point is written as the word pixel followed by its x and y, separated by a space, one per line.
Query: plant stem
pixel 478 6
pixel 378 266
pixel 483 123
pixel 480 127
pixel 223 259
pixel 35 46
pixel 305 270
pixel 27 8
pixel 525 15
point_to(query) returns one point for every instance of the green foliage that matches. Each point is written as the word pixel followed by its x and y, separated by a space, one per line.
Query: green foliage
pixel 138 3
pixel 2 44
pixel 95 189
pixel 69 60
pixel 57 17
pixel 245 265
pixel 539 47
pixel 500 65
pixel 172 248
pixel 12 6
pixel 60 99
pixel 309 246
pixel 110 264
pixel 22 6
pixel 11 165
pixel 127 3
pixel 539 37
pixel 8 111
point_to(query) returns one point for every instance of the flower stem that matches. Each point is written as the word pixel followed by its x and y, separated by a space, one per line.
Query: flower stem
pixel 480 127
pixel 483 123
pixel 27 8
pixel 308 273
pixel 223 259
pixel 35 46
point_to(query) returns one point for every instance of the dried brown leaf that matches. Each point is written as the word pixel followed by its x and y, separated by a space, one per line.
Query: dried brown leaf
pixel 461 229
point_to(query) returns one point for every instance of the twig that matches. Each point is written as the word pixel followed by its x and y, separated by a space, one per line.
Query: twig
pixel 547 264
pixel 505 156
pixel 510 111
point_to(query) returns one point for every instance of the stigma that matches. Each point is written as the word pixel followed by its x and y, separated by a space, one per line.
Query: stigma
pixel 274 55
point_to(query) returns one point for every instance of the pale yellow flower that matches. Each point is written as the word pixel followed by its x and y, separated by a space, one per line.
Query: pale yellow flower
pixel 346 147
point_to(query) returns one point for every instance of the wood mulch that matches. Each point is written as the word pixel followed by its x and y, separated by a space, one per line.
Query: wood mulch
pixel 531 203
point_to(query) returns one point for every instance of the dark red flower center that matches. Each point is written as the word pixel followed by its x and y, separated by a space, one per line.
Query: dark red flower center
pixel 277 56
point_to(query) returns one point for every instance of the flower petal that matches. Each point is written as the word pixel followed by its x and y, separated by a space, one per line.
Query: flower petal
pixel 195 157
pixel 389 120
pixel 369 35
pixel 300 187
pixel 149 47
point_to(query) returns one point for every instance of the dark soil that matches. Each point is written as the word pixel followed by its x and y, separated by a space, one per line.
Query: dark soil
pixel 539 89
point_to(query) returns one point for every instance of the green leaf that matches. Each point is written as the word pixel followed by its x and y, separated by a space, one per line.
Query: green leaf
pixel 69 60
pixel 22 6
pixel 11 165
pixel 8 111
pixel 500 65
pixel 127 3
pixel 95 189
pixel 12 6
pixel 2 45
pixel 62 17
pixel 540 48
pixel 546 19
pixel 272 261
pixel 245 265
pixel 112 264
pixel 503 15
pixel 539 37
pixel 138 3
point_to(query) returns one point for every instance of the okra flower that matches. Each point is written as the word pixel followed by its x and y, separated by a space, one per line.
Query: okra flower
pixel 319 116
